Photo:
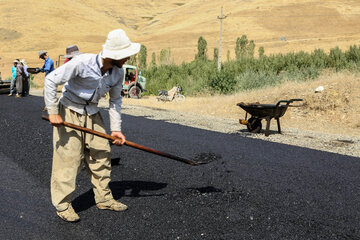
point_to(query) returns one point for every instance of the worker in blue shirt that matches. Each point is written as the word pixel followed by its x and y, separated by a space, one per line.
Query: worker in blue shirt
pixel 48 64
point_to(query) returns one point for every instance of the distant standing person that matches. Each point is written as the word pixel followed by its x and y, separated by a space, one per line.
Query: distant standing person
pixel 13 79
pixel 48 64
pixel 71 51
pixel 26 87
pixel 20 76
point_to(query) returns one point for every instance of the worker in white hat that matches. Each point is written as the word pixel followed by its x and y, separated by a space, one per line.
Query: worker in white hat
pixel 26 78
pixel 87 78
pixel 71 51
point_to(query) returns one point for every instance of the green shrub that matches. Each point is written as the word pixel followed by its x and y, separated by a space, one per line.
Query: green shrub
pixel 246 73
pixel 253 80
pixel 337 59
pixel 31 81
pixel 223 82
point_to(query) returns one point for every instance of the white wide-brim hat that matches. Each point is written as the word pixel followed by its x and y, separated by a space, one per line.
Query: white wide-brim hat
pixel 118 46
pixel 72 51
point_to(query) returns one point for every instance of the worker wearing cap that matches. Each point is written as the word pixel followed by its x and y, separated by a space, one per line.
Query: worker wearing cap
pixel 48 63
pixel 48 66
pixel 13 79
pixel 87 78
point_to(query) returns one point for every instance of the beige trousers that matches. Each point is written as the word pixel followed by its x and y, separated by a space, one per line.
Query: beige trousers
pixel 71 149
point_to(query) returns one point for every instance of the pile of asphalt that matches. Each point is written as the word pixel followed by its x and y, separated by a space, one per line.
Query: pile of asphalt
pixel 253 190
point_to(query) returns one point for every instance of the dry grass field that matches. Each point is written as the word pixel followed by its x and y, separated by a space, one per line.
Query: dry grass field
pixel 278 25
pixel 31 25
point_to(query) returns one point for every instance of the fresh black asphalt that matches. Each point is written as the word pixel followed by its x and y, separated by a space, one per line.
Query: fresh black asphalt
pixel 257 190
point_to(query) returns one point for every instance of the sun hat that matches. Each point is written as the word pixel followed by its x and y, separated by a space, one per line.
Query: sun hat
pixel 118 46
pixel 15 61
pixel 42 52
pixel 72 51
pixel 23 61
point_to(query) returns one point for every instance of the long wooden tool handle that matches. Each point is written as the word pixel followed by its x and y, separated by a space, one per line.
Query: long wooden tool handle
pixel 127 143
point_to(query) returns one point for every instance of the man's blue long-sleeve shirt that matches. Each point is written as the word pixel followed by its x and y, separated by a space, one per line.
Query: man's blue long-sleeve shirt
pixel 13 70
pixel 48 66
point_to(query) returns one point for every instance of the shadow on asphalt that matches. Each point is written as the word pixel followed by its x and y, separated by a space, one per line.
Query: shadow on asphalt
pixel 119 190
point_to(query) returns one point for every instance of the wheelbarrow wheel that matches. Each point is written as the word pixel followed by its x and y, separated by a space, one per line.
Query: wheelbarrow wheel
pixel 254 125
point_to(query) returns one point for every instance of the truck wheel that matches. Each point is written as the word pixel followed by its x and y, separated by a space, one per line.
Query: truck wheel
pixel 135 92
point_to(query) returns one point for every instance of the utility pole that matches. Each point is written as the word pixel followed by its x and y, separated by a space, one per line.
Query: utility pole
pixel 221 17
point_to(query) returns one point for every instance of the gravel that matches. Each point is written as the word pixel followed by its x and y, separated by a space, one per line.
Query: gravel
pixel 341 144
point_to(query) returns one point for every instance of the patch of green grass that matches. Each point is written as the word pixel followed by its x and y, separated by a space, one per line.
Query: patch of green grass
pixel 148 18
pixel 8 34
pixel 135 27
pixel 31 81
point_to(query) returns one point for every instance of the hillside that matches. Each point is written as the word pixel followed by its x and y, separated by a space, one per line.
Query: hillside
pixel 52 25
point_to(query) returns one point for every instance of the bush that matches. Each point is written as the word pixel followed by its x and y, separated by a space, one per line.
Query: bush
pixel 253 80
pixel 223 82
pixel 246 73
pixel 31 81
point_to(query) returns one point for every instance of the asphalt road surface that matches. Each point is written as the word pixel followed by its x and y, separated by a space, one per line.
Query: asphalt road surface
pixel 257 190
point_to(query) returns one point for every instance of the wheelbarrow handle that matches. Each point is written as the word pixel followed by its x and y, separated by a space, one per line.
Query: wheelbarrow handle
pixel 282 101
pixel 288 102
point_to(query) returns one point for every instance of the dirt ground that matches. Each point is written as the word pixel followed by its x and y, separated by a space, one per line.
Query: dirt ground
pixel 335 110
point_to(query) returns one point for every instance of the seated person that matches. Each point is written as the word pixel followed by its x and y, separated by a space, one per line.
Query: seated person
pixel 172 93
pixel 129 76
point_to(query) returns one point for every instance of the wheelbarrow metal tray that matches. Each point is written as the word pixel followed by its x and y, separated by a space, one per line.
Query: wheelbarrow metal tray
pixel 264 110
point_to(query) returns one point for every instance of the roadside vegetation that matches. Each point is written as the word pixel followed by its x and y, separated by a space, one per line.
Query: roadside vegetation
pixel 32 82
pixel 245 72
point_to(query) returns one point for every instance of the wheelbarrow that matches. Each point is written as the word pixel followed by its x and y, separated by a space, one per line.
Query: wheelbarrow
pixel 33 70
pixel 264 111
